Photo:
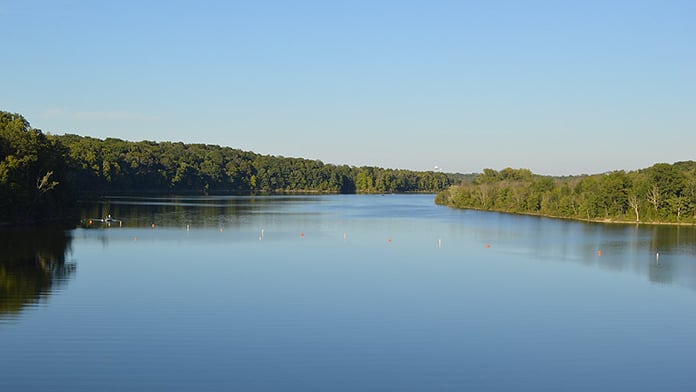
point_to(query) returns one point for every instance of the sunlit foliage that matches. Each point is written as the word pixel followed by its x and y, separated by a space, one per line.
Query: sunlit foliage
pixel 660 193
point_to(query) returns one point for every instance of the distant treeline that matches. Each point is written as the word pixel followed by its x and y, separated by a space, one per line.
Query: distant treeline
pixel 40 175
pixel 115 165
pixel 662 193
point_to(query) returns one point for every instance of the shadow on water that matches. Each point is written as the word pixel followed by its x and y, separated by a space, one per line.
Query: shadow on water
pixel 32 266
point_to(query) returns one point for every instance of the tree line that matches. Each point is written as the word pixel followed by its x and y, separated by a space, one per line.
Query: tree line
pixel 114 165
pixel 662 193
pixel 44 174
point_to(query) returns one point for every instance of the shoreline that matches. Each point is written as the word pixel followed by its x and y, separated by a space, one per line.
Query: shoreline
pixel 605 221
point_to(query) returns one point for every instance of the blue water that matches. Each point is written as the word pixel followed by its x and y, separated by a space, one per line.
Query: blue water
pixel 352 293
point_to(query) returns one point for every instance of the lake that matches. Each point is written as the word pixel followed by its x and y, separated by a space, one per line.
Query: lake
pixel 344 293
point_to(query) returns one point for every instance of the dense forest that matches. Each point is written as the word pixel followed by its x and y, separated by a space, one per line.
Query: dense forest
pixel 664 193
pixel 114 165
pixel 43 175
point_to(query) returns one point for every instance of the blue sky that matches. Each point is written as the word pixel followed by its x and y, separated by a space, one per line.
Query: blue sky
pixel 559 87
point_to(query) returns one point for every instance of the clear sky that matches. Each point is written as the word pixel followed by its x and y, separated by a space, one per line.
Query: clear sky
pixel 558 87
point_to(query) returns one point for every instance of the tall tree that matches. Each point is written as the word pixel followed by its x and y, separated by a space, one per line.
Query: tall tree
pixel 32 172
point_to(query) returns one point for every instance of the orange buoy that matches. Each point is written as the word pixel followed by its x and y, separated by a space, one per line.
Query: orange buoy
pixel 599 252
pixel 302 234
pixel 488 245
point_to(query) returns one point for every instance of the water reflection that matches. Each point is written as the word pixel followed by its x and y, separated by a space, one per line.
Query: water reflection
pixel 32 266
pixel 381 292
pixel 663 254
pixel 615 248
pixel 673 261
pixel 179 211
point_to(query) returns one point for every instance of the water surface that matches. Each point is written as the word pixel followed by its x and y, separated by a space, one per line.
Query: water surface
pixel 350 292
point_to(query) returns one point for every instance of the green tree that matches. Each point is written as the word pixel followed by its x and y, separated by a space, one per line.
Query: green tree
pixel 661 193
pixel 32 172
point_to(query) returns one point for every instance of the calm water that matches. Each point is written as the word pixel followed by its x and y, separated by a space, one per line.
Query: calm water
pixel 344 293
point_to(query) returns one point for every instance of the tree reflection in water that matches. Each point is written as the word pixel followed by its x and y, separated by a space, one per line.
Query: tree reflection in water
pixel 32 266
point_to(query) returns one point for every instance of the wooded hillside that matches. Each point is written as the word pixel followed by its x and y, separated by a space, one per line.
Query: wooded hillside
pixel 115 165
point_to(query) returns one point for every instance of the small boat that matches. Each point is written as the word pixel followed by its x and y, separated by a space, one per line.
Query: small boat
pixel 108 220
